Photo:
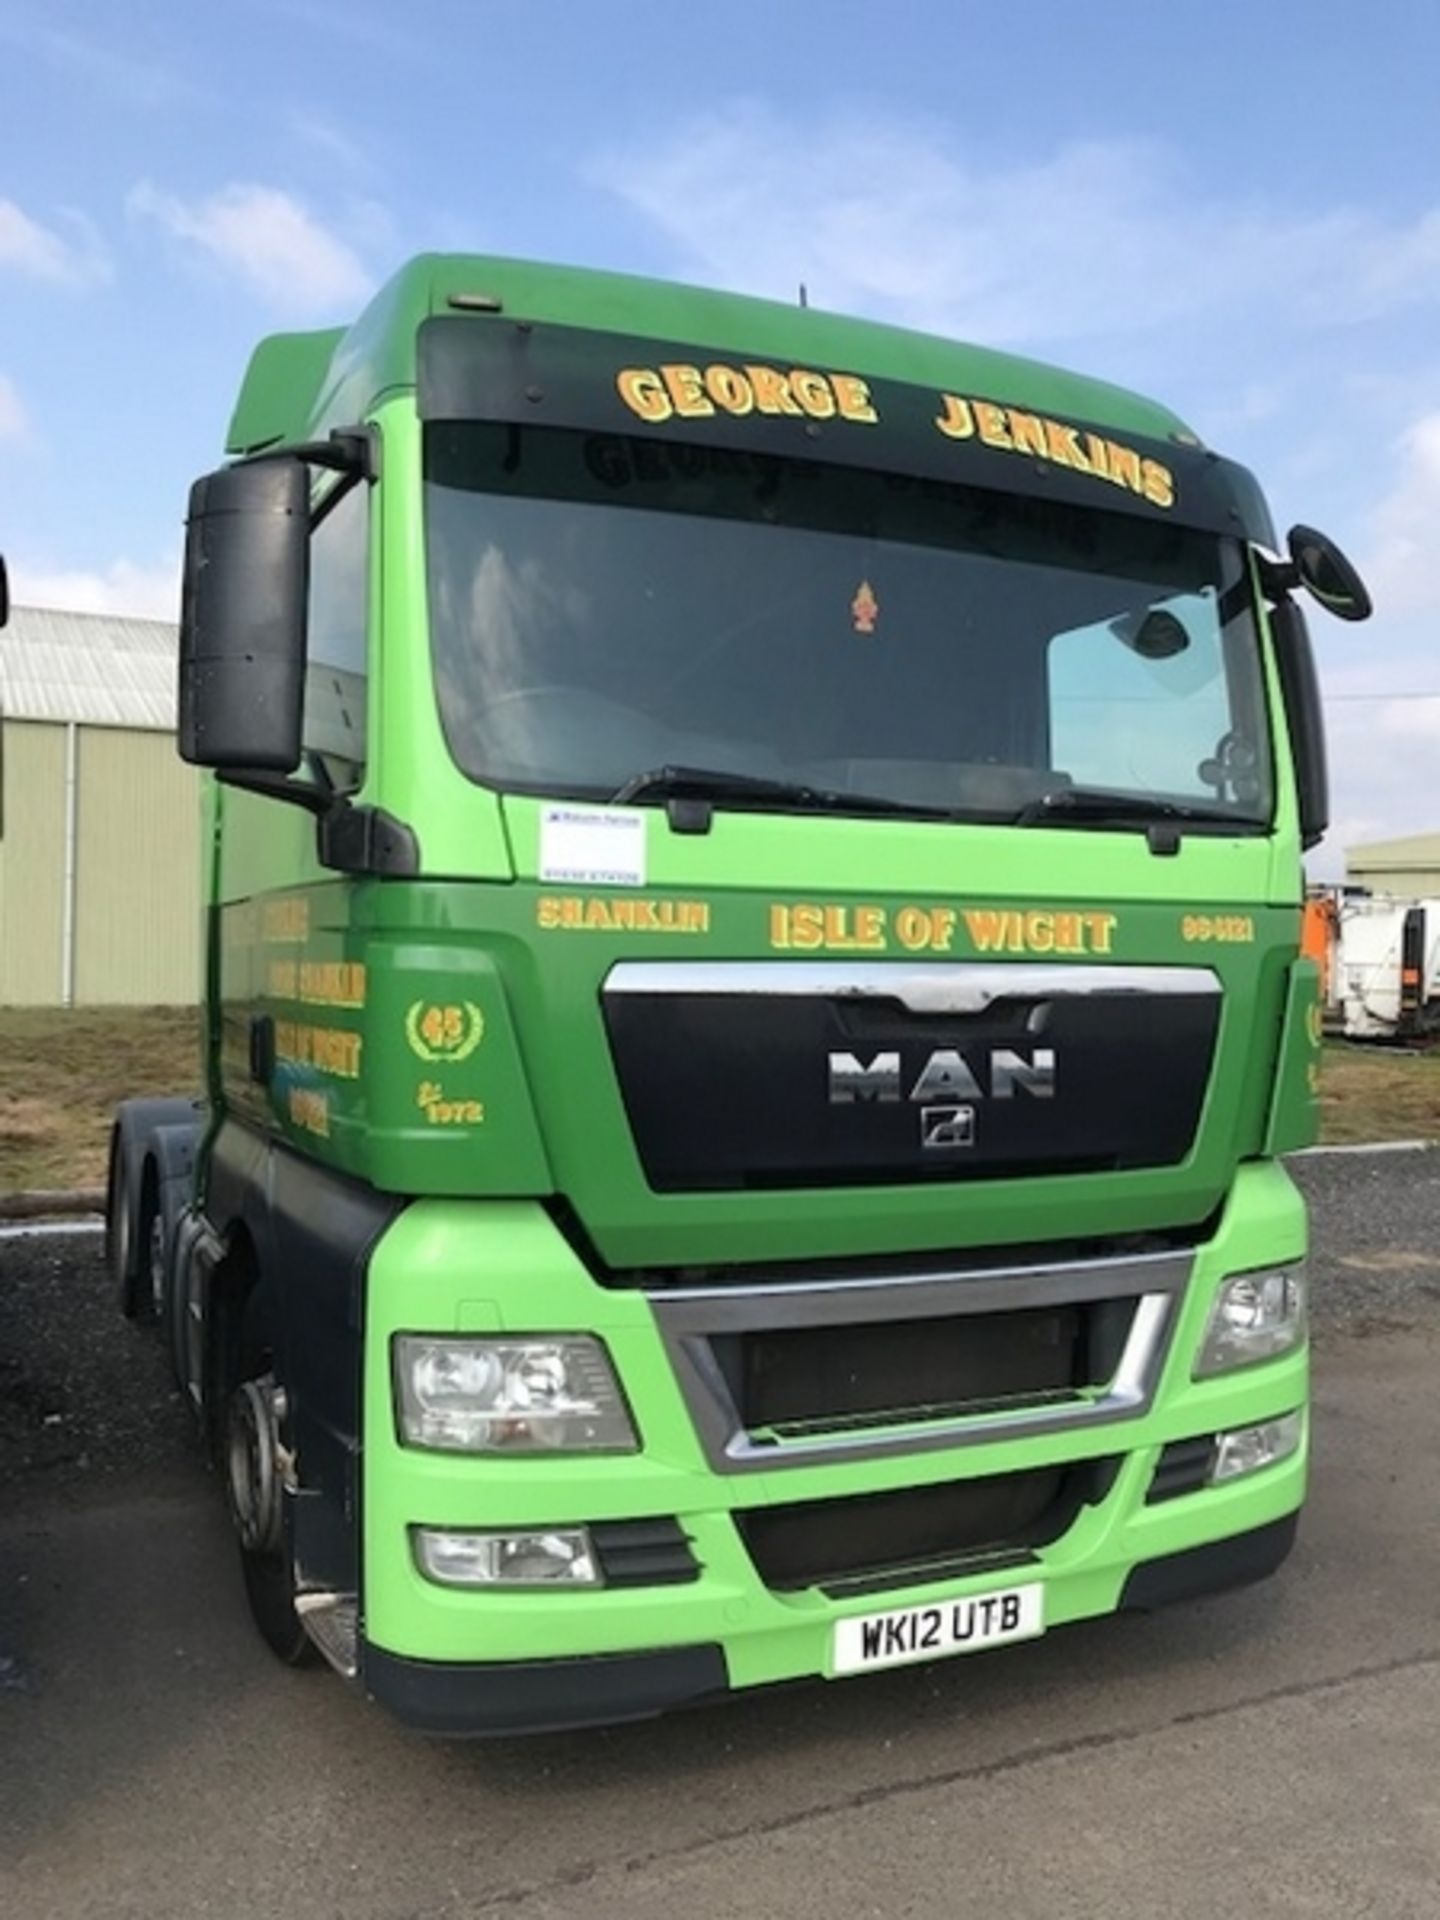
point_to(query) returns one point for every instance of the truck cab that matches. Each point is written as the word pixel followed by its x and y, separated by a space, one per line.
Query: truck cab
pixel 753 999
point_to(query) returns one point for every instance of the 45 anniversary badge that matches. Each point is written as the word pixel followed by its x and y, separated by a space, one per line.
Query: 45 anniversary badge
pixel 444 1032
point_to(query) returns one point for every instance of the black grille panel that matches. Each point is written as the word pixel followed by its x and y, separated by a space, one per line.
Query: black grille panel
pixel 1183 1467
pixel 795 1380
pixel 917 1533
pixel 643 1553
pixel 733 1090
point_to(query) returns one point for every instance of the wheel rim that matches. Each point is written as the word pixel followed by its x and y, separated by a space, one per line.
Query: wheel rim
pixel 156 1261
pixel 252 1455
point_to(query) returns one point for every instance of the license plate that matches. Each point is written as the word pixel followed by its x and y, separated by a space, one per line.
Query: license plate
pixel 928 1633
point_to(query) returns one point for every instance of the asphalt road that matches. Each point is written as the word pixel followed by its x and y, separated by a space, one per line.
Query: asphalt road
pixel 1273 1752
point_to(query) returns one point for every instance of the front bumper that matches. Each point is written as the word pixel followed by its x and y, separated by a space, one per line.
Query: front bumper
pixel 556 1696
pixel 461 1661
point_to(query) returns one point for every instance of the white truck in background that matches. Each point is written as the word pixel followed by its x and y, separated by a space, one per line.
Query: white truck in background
pixel 1385 972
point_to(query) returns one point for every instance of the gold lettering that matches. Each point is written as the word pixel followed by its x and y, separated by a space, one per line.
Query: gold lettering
pixel 772 390
pixel 1100 927
pixel 987 928
pixel 1157 483
pixel 729 389
pixel 1040 932
pixel 852 396
pixel 1124 464
pixel 643 392
pixel 912 928
pixel 955 419
pixel 869 926
pixel 1027 431
pixel 1064 446
pixel 807 927
pixel 687 391
pixel 1069 935
pixel 812 390
pixel 993 430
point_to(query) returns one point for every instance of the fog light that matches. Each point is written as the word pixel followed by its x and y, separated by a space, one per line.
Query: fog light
pixel 1256 1316
pixel 1247 1449
pixel 554 1557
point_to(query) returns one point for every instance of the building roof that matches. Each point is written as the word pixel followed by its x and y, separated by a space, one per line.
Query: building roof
pixel 98 668
pixel 1409 850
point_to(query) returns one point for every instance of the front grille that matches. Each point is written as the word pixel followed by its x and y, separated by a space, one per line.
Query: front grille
pixel 791 1382
pixel 918 1533
pixel 778 1074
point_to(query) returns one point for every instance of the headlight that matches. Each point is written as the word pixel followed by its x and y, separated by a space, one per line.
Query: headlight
pixel 544 1395
pixel 1256 1316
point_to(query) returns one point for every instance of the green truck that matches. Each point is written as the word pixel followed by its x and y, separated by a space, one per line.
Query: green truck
pixel 753 999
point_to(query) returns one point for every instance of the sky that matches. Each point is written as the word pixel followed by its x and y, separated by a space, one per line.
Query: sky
pixel 1234 208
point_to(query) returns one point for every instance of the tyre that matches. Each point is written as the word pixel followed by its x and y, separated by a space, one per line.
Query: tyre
pixel 120 1239
pixel 252 1462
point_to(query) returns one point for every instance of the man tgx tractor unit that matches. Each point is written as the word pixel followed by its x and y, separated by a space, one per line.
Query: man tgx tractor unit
pixel 753 998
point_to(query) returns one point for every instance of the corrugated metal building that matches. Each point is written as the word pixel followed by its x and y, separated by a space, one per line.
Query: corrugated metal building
pixel 1409 866
pixel 99 860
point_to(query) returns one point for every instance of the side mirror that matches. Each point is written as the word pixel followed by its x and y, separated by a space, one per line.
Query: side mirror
pixel 1304 718
pixel 242 617
pixel 1318 565
pixel 4 592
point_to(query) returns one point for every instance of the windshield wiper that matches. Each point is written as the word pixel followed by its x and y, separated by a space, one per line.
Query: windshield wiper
pixel 708 787
pixel 1101 805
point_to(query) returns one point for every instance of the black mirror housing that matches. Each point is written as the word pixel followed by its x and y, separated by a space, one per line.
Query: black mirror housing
pixel 1327 575
pixel 242 616
pixel 1304 718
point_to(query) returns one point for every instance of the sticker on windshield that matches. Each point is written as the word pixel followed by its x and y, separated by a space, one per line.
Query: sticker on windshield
pixel 592 846
pixel 865 608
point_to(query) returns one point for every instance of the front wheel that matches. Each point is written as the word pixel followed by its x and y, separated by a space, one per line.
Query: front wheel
pixel 255 1463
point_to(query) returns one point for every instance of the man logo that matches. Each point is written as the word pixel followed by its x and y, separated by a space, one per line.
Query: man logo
pixel 942 1127
pixel 946 1074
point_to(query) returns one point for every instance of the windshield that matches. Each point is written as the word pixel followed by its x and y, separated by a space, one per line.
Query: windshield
pixel 602 608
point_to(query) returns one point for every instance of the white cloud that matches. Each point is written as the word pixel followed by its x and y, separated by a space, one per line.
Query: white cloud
pixel 144 592
pixel 1401 570
pixel 45 253
pixel 265 238
pixel 1099 238
pixel 14 423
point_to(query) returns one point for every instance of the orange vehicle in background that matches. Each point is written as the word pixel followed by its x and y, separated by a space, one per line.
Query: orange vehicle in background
pixel 1319 935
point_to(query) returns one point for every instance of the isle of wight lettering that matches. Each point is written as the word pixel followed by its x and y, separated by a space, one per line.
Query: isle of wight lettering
pixel 812 926
pixel 1008 430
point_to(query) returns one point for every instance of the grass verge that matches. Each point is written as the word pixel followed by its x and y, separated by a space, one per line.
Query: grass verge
pixel 1378 1093
pixel 63 1073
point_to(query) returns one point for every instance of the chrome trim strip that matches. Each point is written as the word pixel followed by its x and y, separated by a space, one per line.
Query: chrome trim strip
pixel 922 987
pixel 689 1318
